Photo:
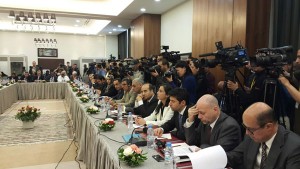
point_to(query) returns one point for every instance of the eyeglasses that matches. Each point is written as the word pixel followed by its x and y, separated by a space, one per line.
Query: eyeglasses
pixel 252 130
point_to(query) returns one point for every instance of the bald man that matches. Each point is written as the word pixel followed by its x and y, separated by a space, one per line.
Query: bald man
pixel 267 144
pixel 216 128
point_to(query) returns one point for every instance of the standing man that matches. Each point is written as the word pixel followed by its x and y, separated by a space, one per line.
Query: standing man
pixel 216 127
pixel 267 144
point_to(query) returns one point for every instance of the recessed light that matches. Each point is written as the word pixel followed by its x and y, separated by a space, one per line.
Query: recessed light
pixel 77 21
pixel 76 25
pixel 156 0
pixel 120 26
pixel 143 9
pixel 110 32
pixel 114 29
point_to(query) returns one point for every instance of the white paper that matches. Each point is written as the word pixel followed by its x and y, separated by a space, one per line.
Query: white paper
pixel 206 158
pixel 137 126
pixel 165 136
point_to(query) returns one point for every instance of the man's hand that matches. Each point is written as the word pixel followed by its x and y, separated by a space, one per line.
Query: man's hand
pixel 232 86
pixel 169 79
pixel 140 121
pixel 158 132
pixel 139 97
pixel 193 111
pixel 283 80
pixel 155 74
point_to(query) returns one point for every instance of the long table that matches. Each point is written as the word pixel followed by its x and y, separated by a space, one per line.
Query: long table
pixel 96 150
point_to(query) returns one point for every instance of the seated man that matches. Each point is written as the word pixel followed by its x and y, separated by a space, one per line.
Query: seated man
pixel 26 77
pixel 38 76
pixel 215 128
pixel 267 144
pixel 118 86
pixel 129 96
pixel 179 99
pixel 63 77
pixel 146 101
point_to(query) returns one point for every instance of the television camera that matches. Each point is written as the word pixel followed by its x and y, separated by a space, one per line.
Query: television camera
pixel 172 56
pixel 272 59
pixel 228 58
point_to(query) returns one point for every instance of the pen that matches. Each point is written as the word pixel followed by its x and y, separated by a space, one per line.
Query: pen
pixel 176 146
pixel 190 149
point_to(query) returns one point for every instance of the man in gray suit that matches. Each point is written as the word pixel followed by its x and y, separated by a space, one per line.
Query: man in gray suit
pixel 216 128
pixel 267 144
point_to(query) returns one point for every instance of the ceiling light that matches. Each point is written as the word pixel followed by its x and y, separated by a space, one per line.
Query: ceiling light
pixel 120 26
pixel 157 0
pixel 76 25
pixel 77 21
pixel 110 32
pixel 114 29
pixel 45 42
pixel 143 9
pixel 34 21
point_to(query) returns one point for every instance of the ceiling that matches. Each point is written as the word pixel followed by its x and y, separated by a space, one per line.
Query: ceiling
pixel 87 17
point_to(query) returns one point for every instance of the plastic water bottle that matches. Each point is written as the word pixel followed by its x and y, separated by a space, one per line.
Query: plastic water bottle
pixel 150 137
pixel 120 111
pixel 130 122
pixel 168 154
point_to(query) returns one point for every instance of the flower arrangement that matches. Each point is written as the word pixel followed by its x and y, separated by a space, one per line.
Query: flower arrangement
pixel 84 99
pixel 7 84
pixel 132 155
pixel 28 113
pixel 79 93
pixel 92 110
pixel 1 86
pixel 75 89
pixel 107 124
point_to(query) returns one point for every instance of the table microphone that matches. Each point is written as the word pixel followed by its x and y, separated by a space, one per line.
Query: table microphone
pixel 137 141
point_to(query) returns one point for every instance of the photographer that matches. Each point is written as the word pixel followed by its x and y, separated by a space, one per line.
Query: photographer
pixel 188 81
pixel 199 74
pixel 162 74
pixel 256 88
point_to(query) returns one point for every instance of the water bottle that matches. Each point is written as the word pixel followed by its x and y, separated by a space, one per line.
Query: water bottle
pixel 168 154
pixel 120 111
pixel 130 122
pixel 150 137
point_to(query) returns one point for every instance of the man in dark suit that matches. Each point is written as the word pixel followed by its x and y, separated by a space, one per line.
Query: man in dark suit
pixel 179 100
pixel 26 77
pixel 215 128
pixel 267 144
pixel 146 101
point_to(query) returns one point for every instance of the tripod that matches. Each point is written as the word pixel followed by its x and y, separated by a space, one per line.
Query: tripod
pixel 271 97
pixel 229 102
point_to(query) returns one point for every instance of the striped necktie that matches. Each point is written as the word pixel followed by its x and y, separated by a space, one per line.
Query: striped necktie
pixel 263 155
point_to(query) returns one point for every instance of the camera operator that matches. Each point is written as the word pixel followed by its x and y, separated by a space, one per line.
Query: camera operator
pixel 199 74
pixel 164 75
pixel 256 88
pixel 188 81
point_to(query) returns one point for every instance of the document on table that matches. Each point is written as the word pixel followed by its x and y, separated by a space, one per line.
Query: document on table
pixel 165 136
pixel 206 158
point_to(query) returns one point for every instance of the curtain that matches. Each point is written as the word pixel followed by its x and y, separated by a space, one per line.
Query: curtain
pixel 285 24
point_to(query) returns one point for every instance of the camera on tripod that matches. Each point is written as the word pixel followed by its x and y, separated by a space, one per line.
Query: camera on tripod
pixel 272 59
pixel 172 56
pixel 228 58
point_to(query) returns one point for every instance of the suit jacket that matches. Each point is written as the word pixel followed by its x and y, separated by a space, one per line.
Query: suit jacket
pixel 174 123
pixel 226 133
pixel 146 108
pixel 284 152
pixel 28 79
pixel 128 99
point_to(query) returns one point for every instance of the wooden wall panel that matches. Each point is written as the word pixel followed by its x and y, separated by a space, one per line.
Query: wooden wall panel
pixel 217 20
pixel 145 35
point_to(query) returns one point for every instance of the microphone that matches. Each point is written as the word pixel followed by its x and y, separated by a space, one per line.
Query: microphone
pixel 137 141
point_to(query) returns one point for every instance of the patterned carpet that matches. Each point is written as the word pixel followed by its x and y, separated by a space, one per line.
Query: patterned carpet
pixel 49 127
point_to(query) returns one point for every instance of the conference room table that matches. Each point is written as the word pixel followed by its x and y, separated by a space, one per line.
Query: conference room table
pixel 97 149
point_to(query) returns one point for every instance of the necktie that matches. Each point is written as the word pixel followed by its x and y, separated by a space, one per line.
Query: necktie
pixel 180 120
pixel 263 155
pixel 208 134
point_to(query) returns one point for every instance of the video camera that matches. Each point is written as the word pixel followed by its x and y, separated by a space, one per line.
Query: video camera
pixel 232 57
pixel 172 56
pixel 272 59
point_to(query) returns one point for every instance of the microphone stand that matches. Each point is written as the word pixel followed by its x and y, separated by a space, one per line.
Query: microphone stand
pixel 137 141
